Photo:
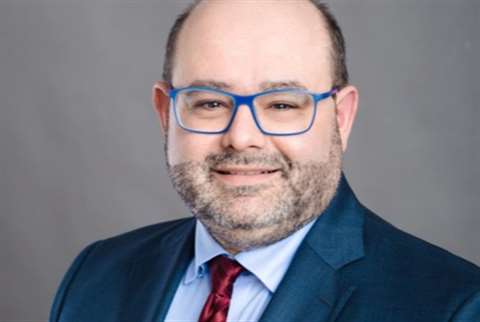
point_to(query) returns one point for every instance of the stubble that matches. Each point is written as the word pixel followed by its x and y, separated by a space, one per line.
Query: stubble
pixel 245 217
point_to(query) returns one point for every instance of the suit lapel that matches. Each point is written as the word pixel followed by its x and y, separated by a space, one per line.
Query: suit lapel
pixel 310 291
pixel 154 277
pixel 313 288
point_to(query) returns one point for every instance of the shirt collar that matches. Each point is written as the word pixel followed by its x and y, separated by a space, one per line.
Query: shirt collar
pixel 270 272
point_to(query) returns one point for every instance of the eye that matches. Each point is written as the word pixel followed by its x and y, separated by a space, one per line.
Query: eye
pixel 282 106
pixel 210 105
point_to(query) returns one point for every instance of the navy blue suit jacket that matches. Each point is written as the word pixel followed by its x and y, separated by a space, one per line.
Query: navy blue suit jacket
pixel 352 266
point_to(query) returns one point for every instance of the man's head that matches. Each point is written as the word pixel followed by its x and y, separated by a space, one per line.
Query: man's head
pixel 250 189
pixel 337 52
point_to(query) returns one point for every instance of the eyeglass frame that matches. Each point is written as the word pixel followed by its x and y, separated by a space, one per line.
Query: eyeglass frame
pixel 247 100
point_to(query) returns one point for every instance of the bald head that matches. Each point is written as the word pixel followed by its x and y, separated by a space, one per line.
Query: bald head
pixel 252 27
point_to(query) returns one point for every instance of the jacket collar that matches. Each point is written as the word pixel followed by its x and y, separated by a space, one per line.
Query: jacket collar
pixel 313 288
pixel 155 274
pixel 337 236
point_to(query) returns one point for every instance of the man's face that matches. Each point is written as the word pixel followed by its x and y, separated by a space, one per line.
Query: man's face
pixel 247 188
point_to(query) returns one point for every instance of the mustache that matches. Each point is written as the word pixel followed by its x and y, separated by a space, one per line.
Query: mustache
pixel 274 160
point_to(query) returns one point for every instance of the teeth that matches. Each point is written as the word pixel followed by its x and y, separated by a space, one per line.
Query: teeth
pixel 246 173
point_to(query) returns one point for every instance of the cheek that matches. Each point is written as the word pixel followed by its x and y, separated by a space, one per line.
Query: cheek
pixel 313 145
pixel 184 146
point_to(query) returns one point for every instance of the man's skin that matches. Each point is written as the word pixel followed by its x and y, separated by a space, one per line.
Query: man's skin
pixel 247 45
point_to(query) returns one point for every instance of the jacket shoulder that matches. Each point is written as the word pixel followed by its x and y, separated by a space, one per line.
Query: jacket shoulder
pixel 414 272
pixel 104 267
pixel 383 238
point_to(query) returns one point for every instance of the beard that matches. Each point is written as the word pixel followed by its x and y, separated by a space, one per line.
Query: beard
pixel 245 217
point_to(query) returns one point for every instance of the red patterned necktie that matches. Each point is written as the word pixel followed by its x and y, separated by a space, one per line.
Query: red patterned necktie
pixel 223 272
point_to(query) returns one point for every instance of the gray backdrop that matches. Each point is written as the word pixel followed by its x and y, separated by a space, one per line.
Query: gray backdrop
pixel 81 150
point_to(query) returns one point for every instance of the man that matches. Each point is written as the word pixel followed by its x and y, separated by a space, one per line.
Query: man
pixel 257 112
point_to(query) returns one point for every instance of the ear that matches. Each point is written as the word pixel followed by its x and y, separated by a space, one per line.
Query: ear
pixel 161 102
pixel 346 106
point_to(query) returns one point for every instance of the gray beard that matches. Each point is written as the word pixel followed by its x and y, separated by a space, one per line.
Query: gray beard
pixel 245 217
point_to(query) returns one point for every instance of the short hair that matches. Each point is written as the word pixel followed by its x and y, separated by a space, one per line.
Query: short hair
pixel 338 54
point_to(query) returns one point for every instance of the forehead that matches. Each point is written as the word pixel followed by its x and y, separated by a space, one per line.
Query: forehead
pixel 245 43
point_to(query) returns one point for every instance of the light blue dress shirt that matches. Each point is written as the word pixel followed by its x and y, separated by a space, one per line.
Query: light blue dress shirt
pixel 252 290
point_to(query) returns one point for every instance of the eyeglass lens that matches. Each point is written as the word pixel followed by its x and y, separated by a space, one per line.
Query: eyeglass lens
pixel 277 112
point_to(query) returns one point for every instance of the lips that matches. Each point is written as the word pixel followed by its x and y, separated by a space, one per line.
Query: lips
pixel 244 172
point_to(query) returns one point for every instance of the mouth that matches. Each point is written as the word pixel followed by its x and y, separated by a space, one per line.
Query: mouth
pixel 245 176
pixel 236 172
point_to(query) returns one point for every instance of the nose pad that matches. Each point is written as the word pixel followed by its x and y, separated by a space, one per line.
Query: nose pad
pixel 243 132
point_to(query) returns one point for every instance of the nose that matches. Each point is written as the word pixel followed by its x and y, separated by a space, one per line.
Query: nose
pixel 243 133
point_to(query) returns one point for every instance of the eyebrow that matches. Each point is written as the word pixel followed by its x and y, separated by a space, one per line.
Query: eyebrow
pixel 266 85
pixel 211 83
pixel 282 84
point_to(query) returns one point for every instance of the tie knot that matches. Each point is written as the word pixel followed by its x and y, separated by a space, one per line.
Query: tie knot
pixel 224 272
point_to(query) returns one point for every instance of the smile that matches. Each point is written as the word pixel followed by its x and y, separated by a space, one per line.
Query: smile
pixel 245 176
pixel 245 172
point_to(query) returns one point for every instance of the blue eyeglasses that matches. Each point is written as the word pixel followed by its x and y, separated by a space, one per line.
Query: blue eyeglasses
pixel 279 112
